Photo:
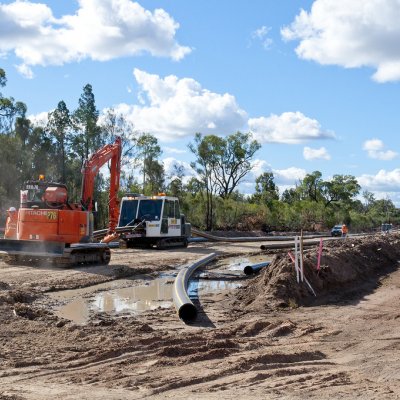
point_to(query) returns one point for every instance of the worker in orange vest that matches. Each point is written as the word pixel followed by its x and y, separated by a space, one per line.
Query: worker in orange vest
pixel 11 224
pixel 344 230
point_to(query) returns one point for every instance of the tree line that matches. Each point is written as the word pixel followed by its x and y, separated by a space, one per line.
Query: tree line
pixel 211 200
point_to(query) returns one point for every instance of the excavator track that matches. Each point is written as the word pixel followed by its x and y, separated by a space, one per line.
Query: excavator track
pixel 31 252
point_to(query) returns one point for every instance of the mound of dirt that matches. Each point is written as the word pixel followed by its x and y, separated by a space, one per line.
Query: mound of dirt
pixel 347 267
pixel 16 296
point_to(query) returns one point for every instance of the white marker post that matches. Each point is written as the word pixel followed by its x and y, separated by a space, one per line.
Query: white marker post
pixel 301 258
pixel 296 257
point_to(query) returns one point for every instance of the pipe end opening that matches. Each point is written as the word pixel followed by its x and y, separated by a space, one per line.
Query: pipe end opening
pixel 248 270
pixel 187 312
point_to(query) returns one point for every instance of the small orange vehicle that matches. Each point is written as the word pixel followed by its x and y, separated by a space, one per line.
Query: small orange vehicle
pixel 49 226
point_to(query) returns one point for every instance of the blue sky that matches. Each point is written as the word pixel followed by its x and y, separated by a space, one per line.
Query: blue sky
pixel 316 82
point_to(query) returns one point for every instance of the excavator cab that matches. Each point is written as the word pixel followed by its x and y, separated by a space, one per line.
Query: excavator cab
pixel 41 194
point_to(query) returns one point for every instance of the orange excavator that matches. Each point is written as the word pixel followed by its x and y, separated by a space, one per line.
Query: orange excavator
pixel 49 226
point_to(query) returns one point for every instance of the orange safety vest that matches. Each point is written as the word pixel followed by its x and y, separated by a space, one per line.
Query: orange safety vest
pixel 11 226
pixel 344 229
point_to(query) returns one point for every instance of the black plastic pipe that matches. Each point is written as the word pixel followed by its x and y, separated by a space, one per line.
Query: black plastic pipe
pixel 187 311
pixel 250 238
pixel 254 268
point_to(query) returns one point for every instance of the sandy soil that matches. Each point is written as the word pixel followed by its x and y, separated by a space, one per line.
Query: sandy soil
pixel 270 338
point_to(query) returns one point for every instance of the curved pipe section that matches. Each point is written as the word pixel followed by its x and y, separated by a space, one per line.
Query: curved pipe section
pixel 253 269
pixel 184 306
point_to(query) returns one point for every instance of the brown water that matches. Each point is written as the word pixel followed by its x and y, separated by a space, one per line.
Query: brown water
pixel 122 297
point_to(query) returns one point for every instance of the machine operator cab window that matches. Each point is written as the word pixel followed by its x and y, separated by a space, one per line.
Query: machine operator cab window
pixel 149 210
pixel 128 212
pixel 171 211
pixel 136 210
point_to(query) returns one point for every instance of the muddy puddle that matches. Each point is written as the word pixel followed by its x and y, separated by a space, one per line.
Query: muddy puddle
pixel 119 297
pixel 236 265
pixel 129 297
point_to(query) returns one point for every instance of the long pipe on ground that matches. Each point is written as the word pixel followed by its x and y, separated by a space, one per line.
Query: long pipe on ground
pixel 254 268
pixel 187 311
pixel 247 238
pixel 273 246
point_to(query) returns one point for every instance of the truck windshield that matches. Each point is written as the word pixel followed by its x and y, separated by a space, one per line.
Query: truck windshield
pixel 150 210
pixel 128 212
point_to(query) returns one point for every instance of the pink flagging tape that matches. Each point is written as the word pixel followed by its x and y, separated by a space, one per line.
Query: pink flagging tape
pixel 319 255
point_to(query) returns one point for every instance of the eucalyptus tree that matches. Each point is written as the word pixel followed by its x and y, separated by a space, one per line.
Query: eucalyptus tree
pixel 59 128
pixel 341 188
pixel 146 158
pixel 9 108
pixel 88 133
pixel 266 190
pixel 221 163
pixel 113 124
pixel 233 160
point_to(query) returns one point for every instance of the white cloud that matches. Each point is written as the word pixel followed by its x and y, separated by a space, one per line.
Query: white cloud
pixel 169 168
pixel 173 150
pixel 351 34
pixel 374 148
pixel 289 176
pixel 388 181
pixel 100 30
pixel 261 34
pixel 289 128
pixel 39 119
pixel 316 154
pixel 176 108
pixel 25 71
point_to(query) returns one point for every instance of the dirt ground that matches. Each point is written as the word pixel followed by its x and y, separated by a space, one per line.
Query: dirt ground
pixel 269 338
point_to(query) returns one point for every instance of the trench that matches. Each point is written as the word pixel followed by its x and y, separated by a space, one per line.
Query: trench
pixel 128 297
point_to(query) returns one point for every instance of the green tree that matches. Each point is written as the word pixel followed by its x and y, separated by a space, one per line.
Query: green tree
pixel 58 126
pixel 221 164
pixel 291 195
pixel 147 153
pixel 311 187
pixel 233 156
pixel 10 173
pixel 175 186
pixel 369 200
pixel 266 190
pixel 88 138
pixel 9 108
pixel 205 166
pixel 342 188
pixel 115 124
pixel 155 176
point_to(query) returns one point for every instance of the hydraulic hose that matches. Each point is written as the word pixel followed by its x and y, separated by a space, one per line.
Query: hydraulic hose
pixel 186 309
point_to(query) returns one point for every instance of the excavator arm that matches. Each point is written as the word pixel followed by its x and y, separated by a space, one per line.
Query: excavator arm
pixel 90 170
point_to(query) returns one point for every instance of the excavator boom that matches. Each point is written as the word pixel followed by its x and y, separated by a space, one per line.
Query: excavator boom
pixel 90 170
